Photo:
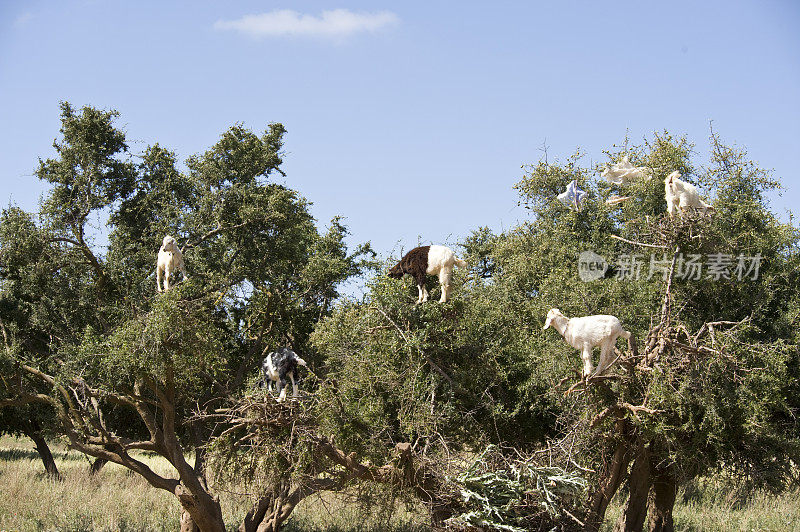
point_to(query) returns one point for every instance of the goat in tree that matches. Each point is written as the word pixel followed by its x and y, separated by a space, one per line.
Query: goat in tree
pixel 170 260
pixel 585 333
pixel 276 367
pixel 682 196
pixel 424 260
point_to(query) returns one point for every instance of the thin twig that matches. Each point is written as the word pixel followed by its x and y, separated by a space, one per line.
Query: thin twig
pixel 657 246
pixel 433 364
pixel 574 518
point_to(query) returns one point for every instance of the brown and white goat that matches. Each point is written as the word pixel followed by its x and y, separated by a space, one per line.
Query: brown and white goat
pixel 424 260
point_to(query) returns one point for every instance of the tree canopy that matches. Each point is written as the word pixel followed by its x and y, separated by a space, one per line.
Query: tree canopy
pixel 120 367
pixel 451 404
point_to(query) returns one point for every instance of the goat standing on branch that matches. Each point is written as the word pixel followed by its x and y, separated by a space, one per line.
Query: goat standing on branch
pixel 170 259
pixel 624 172
pixel 425 260
pixel 585 333
pixel 276 367
pixel 682 196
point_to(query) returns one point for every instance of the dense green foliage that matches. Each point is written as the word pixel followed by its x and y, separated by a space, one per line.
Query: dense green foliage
pixel 87 338
pixel 90 349
pixel 261 274
pixel 727 403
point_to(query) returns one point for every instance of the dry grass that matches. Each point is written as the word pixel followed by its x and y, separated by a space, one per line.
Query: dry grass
pixel 112 500
pixel 712 509
pixel 117 500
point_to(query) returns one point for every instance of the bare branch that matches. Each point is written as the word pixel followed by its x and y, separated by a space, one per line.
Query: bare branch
pixel 656 246
pixel 619 409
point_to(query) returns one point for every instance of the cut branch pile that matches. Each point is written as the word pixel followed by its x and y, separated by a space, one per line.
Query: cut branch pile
pixel 515 495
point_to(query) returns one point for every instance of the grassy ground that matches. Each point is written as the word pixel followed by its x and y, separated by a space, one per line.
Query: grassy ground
pixel 712 509
pixel 118 500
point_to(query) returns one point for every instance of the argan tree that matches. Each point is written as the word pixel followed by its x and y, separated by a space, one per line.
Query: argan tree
pixel 712 302
pixel 706 389
pixel 121 368
pixel 468 406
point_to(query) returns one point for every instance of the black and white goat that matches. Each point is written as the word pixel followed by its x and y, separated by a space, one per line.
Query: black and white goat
pixel 425 260
pixel 277 367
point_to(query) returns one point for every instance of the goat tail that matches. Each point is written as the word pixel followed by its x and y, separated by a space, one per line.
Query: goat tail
pixel 459 262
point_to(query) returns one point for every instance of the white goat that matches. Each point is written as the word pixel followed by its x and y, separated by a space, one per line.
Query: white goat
pixel 170 260
pixel 682 196
pixel 587 332
pixel 624 172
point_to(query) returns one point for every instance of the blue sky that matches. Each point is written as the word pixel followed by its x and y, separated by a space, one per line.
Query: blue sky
pixel 411 119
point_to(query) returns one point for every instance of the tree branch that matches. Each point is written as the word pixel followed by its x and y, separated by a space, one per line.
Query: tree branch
pixel 456 387
pixel 219 229
pixel 656 246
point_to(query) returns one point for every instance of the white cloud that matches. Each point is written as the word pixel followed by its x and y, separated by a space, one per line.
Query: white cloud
pixel 338 23
pixel 22 20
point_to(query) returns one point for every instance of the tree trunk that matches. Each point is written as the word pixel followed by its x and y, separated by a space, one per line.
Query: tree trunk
pixel 97 465
pixel 273 511
pixel 187 523
pixel 610 480
pixel 273 521
pixel 198 431
pixel 256 515
pixel 662 500
pixel 632 518
pixel 203 515
pixel 44 452
pixel 200 465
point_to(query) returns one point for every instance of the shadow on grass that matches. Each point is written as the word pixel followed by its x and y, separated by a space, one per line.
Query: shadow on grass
pixel 10 455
